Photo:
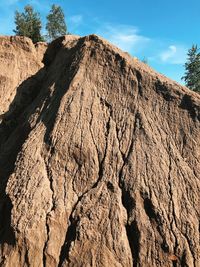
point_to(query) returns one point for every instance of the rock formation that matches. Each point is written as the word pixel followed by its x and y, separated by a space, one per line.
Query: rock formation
pixel 99 159
pixel 19 59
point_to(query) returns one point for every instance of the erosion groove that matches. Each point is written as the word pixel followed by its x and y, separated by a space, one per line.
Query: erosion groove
pixel 99 159
pixel 70 237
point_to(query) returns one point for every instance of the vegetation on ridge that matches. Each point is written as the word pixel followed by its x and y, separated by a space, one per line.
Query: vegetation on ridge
pixel 56 25
pixel 28 23
pixel 192 69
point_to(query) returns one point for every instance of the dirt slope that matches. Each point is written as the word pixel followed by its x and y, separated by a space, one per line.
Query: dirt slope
pixel 19 59
pixel 99 162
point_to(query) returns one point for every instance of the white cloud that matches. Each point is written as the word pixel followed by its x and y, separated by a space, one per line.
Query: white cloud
pixel 168 53
pixel 76 19
pixel 125 37
pixel 174 54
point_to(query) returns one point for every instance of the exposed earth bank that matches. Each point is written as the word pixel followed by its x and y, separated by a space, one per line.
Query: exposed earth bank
pixel 99 159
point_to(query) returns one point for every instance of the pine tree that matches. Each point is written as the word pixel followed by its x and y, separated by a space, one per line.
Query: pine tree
pixel 192 69
pixel 28 24
pixel 56 25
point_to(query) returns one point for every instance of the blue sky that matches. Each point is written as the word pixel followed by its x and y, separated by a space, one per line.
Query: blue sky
pixel 161 31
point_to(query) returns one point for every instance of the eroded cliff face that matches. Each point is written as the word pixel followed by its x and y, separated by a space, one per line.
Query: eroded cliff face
pixel 99 163
pixel 19 59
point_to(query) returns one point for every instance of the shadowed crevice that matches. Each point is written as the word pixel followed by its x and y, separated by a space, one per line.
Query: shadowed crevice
pixel 132 230
pixel 149 209
pixel 133 234
pixel 6 232
pixel 188 104
pixel 69 238
pixel 164 91
pixel 156 221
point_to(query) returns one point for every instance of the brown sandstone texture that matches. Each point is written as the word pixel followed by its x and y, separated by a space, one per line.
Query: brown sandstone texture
pixel 99 159
pixel 19 59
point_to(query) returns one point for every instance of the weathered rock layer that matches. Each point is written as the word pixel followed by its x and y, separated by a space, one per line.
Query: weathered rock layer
pixel 19 59
pixel 99 159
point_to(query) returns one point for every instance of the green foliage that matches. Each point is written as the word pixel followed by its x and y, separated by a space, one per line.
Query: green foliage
pixel 56 25
pixel 28 24
pixel 192 69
